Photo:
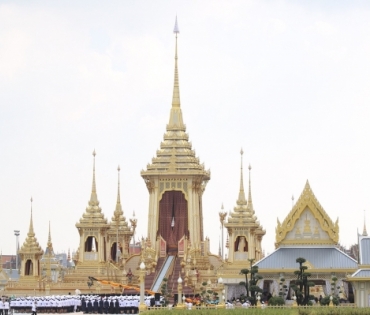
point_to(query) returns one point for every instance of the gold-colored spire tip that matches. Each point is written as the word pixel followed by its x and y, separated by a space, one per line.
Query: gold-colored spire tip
pixel 249 167
pixel 118 168
pixel 31 200
pixel 241 151
pixel 222 206
pixel 94 153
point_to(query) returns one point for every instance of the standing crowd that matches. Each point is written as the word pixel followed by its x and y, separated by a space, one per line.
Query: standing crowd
pixel 89 304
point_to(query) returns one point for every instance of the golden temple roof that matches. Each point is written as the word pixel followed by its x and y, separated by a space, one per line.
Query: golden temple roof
pixel 243 214
pixel 31 245
pixel 93 213
pixel 175 155
pixel 307 223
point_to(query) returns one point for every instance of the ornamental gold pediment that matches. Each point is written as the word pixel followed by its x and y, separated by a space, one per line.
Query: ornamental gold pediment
pixel 307 223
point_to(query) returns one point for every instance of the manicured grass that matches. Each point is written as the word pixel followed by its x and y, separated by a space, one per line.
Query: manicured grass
pixel 266 311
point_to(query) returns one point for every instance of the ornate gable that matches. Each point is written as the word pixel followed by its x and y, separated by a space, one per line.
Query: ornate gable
pixel 307 223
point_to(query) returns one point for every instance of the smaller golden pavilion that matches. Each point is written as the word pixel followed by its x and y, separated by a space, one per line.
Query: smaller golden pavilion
pixel 307 232
pixel 244 237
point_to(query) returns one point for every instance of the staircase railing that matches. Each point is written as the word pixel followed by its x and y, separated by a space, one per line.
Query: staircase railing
pixel 166 268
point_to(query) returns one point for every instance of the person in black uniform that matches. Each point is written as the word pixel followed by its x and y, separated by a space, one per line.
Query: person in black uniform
pixel 89 307
pixel 101 305
pixel 96 306
pixel 106 306
pixel 111 306
pixel 116 306
pixel 83 305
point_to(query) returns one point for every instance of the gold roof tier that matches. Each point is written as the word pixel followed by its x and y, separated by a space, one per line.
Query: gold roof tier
pixel 31 245
pixel 93 214
pixel 243 214
pixel 175 155
pixel 307 223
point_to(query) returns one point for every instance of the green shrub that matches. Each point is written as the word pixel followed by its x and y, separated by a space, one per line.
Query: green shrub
pixel 276 300
pixel 326 300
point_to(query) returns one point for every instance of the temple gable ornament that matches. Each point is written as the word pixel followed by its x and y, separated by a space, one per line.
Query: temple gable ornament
pixel 307 223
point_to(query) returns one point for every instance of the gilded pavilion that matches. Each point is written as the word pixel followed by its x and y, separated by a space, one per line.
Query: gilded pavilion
pixel 308 232
pixel 175 246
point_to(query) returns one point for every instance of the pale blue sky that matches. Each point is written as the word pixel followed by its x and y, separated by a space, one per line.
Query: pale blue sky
pixel 286 80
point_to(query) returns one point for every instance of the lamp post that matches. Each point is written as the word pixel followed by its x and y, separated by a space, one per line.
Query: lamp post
pixel 258 301
pixel 16 233
pixel 295 301
pixel 331 301
pixel 222 292
pixel 180 305
pixel 222 215
pixel 142 305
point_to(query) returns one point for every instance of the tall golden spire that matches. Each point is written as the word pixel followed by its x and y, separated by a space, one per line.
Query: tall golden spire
pixel 176 114
pixel 175 154
pixel 119 184
pixel 241 200
pixel 31 232
pixel 364 233
pixel 31 245
pixel 94 197
pixel 50 244
pixel 118 213
pixel 93 213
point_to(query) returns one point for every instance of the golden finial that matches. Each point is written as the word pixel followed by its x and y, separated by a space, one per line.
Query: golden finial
pixel 118 213
pixel 93 197
pixel 176 120
pixel 50 245
pixel 31 232
pixel 241 200
pixel 176 91
pixel 119 183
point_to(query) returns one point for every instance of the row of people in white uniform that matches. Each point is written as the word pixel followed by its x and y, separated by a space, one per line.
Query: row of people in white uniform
pixel 4 306
pixel 46 301
pixel 84 303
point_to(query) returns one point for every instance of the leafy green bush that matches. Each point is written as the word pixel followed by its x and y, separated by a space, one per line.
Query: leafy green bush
pixel 276 300
pixel 326 300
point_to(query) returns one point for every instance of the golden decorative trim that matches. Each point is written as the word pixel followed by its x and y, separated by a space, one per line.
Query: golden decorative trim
pixel 307 200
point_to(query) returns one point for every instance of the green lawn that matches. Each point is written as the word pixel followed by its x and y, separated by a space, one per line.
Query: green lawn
pixel 266 311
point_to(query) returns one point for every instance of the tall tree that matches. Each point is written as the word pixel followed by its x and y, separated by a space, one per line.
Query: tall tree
pixel 251 284
pixel 301 287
